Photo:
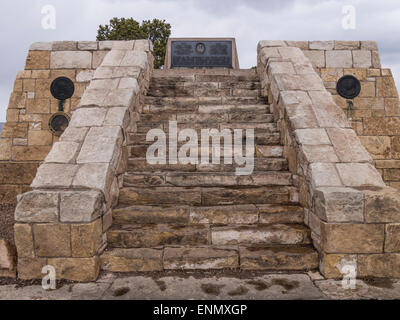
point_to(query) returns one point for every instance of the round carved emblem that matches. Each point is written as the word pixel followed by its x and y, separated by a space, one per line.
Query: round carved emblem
pixel 58 123
pixel 62 88
pixel 200 48
pixel 348 87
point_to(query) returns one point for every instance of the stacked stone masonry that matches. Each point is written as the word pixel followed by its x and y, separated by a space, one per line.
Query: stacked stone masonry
pixel 353 215
pixel 63 220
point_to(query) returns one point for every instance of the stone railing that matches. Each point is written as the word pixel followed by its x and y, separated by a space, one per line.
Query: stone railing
pixel 352 214
pixel 63 220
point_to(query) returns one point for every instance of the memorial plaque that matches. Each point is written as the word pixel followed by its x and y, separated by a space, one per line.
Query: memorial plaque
pixel 348 87
pixel 201 53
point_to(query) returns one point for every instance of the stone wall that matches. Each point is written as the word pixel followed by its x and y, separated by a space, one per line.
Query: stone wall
pixel 63 221
pixel 353 215
pixel 375 116
pixel 26 139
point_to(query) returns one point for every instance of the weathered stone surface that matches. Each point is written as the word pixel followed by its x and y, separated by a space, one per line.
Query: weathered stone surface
pixel 74 134
pixel 54 175
pixel 339 204
pixel 382 126
pixel 87 45
pixel 70 60
pixel 339 59
pixel 86 239
pixel 269 151
pixel 382 206
pixel 386 87
pixel 94 176
pixel 151 214
pixel 198 258
pixel 17 173
pixel 132 260
pixel 321 45
pixel 267 234
pixel 392 238
pixel 319 153
pixel 316 57
pixel 24 240
pixel 7 256
pixel 379 265
pixel 362 59
pixel 359 175
pixel 119 98
pixel 347 145
pixel 37 60
pixel 312 136
pixel 101 145
pixel 37 206
pixel 324 175
pixel 88 117
pixel 41 46
pixel 270 213
pixel 117 117
pixel 331 264
pixel 347 45
pixel 242 214
pixel 63 152
pixel 376 145
pixel 52 240
pixel 76 269
pixel 64 45
pixel 278 258
pixel 80 206
pixel 352 238
pixel 31 268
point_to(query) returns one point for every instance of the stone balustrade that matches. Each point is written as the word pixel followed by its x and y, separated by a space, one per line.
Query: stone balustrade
pixel 353 215
pixel 63 221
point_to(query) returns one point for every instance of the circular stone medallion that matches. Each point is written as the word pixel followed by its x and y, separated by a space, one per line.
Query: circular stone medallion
pixel 62 88
pixel 58 123
pixel 348 87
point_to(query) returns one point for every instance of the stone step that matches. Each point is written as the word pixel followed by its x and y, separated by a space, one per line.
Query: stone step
pixel 207 196
pixel 200 77
pixel 153 235
pixel 165 111
pixel 187 102
pixel 259 128
pixel 260 164
pixel 204 179
pixel 201 91
pixel 261 137
pixel 287 258
pixel 269 234
pixel 237 214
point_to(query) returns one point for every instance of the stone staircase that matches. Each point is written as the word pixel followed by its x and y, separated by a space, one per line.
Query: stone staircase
pixel 174 217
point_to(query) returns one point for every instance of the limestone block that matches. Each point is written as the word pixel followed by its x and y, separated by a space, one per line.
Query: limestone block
pixel 135 59
pixel 319 153
pixel 367 89
pixel 117 117
pixel 316 57
pixel 324 175
pixel 106 45
pixel 385 87
pixel 37 207
pixel 64 46
pixel 76 269
pixel 38 106
pixel 312 136
pixel 63 152
pixel 321 45
pixel 113 58
pixel 362 59
pixel 352 238
pixel 54 176
pixel 132 260
pixel 331 74
pixel 92 98
pixel 347 145
pixel 339 59
pixel 129 83
pixel 376 60
pixel 109 84
pixel 71 60
pixel 40 138
pixel 369 45
pixel 23 237
pixel 87 45
pixel 142 45
pixel 80 206
pixel 74 134
pixel 270 43
pixel 359 175
pixel 307 82
pixel 38 60
pixel 382 206
pixel 41 46
pixel 267 53
pixel 5 149
pixel 29 153
pixel 119 98
pixel 392 106
pixel 7 255
pixel 101 145
pixel 86 239
pixel 95 176
pixel 347 45
pixel 98 57
pixel 335 204
pixel 31 268
pixel 392 238
pixel 52 240
pixel 281 67
pixel 376 145
pixel 303 45
pixel 84 75
pixel 331 264
pixel 123 45
pixel 88 117
pixel 379 265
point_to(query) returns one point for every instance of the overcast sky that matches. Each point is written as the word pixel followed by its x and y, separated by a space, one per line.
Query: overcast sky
pixel 247 21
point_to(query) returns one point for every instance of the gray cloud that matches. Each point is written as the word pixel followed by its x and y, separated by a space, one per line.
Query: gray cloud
pixel 247 21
